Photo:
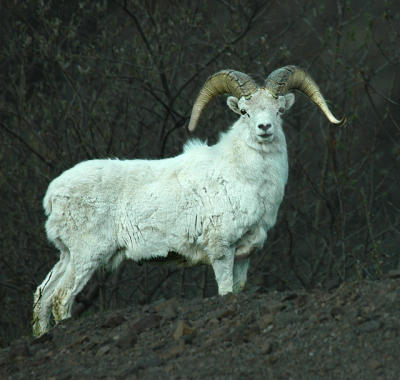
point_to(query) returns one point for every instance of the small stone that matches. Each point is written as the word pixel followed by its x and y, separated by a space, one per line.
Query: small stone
pixel 151 361
pixel 183 330
pixel 169 312
pixel 389 334
pixel 237 336
pixel 284 318
pixel 232 298
pixel 242 334
pixel 198 323
pixel 393 274
pixel 170 367
pixel 301 300
pixel 225 313
pixel 337 313
pixel 375 364
pixel 265 321
pixel 213 322
pixel 232 323
pixel 103 350
pixel 127 339
pixel 370 326
pixel 273 359
pixel 168 309
pixel 79 341
pixel 114 321
pixel 275 308
pixel 289 297
pixel 266 348
pixel 220 332
pixel 331 284
pixel 158 345
pixel 175 351
pixel 148 322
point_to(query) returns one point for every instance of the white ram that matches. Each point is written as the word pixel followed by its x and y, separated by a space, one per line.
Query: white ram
pixel 210 204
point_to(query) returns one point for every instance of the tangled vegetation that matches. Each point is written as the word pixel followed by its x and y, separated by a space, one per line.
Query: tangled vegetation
pixel 84 79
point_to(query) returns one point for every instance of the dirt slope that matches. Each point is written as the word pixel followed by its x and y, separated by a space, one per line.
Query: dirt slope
pixel 350 332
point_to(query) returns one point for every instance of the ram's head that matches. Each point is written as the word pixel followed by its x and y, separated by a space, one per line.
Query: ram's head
pixel 261 106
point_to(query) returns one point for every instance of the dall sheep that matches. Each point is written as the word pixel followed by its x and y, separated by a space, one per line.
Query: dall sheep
pixel 210 204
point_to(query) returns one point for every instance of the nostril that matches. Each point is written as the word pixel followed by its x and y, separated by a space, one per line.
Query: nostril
pixel 264 127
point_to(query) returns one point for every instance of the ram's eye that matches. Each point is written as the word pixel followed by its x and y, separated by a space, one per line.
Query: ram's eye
pixel 281 110
pixel 243 111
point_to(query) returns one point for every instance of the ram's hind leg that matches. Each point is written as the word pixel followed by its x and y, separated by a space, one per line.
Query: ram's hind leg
pixel 81 267
pixel 43 297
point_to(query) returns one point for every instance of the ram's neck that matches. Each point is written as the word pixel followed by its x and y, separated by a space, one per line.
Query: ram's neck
pixel 248 156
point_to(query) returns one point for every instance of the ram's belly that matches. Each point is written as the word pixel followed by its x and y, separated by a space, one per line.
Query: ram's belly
pixel 154 234
pixel 176 259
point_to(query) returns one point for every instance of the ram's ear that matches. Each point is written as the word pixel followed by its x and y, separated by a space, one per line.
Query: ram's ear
pixel 232 103
pixel 289 101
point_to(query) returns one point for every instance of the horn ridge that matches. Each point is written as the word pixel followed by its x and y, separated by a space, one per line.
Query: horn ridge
pixel 225 81
pixel 286 78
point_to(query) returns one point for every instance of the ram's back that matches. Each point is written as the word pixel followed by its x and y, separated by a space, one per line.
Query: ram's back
pixel 98 181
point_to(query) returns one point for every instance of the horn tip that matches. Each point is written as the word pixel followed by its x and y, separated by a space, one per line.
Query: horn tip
pixel 191 126
pixel 341 122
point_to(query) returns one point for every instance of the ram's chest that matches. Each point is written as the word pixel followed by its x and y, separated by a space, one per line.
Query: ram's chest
pixel 243 206
pixel 260 203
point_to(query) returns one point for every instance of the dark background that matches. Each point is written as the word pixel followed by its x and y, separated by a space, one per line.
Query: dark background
pixel 91 79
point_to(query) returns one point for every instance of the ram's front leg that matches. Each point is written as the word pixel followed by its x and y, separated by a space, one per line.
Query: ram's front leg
pixel 240 268
pixel 223 270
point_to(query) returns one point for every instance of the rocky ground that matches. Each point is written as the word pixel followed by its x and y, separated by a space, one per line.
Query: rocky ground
pixel 351 331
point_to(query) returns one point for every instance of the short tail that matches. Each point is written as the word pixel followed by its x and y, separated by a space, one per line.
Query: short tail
pixel 47 204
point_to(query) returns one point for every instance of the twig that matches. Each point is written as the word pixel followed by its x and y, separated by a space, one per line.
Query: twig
pixel 24 143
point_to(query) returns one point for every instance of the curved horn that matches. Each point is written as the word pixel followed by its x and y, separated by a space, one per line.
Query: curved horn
pixel 282 80
pixel 225 81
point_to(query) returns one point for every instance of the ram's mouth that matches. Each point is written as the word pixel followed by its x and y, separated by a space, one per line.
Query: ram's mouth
pixel 265 135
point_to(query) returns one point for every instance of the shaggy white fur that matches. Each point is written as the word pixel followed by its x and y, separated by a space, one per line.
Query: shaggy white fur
pixel 209 204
